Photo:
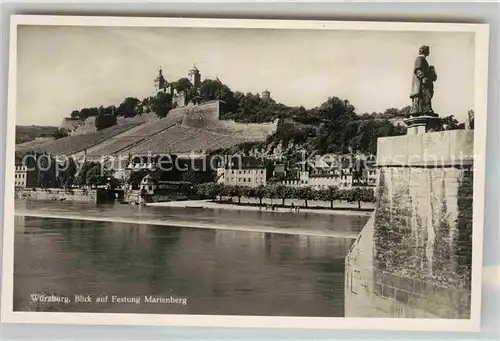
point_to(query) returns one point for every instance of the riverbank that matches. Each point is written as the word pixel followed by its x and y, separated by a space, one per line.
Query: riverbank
pixel 207 204
pixel 198 225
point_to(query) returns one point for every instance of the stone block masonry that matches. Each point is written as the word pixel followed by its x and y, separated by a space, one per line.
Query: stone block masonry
pixel 413 258
pixel 56 194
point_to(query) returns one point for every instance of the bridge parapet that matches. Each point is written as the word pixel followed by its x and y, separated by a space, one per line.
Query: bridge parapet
pixel 413 258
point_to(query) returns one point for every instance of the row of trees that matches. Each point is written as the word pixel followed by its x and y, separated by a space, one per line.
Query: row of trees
pixel 56 174
pixel 89 175
pixel 130 107
pixel 213 190
pixel 106 116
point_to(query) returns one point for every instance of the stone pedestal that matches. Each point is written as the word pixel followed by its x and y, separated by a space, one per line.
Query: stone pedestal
pixel 422 124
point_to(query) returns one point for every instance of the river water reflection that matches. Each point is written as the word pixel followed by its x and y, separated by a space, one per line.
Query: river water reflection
pixel 217 271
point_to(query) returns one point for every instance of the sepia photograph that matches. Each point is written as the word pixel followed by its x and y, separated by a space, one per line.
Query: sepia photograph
pixel 283 173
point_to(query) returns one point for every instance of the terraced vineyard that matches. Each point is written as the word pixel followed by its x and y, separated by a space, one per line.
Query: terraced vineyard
pixel 118 145
pixel 34 143
pixel 182 139
pixel 114 146
pixel 155 127
pixel 74 144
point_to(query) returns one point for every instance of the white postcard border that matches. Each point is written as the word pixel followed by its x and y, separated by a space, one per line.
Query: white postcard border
pixel 480 105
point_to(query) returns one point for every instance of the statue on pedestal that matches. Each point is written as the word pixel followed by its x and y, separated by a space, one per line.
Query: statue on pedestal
pixel 424 76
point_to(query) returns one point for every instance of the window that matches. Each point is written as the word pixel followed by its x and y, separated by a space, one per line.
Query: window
pixel 150 187
pixel 244 179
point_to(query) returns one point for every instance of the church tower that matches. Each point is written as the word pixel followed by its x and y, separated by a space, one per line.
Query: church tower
pixel 194 77
pixel 160 82
pixel 266 94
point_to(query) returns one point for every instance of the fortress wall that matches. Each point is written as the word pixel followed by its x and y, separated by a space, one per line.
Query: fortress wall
pixel 205 115
pixel 413 259
pixel 250 130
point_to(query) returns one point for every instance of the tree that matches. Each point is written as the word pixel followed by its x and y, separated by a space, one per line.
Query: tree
pixel 92 175
pixel 215 90
pixel 332 194
pixel 88 112
pixel 67 175
pixel 270 192
pixel 359 195
pixel 60 133
pixel 305 193
pixel 405 111
pixel 83 176
pixel 75 115
pixel 236 191
pixel 450 123
pixel 259 192
pixel 129 107
pixel 390 113
pixel 136 177
pixel 104 121
pixel 195 177
pixel 193 95
pixel 105 118
pixel 201 190
pixel 209 190
pixel 182 84
pixel 218 188
pixel 227 191
pixel 162 104
pixel 283 192
pixel 47 171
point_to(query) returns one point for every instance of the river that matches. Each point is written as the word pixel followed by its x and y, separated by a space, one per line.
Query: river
pixel 62 248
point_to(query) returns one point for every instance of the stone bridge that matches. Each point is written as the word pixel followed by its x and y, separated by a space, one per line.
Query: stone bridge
pixel 413 257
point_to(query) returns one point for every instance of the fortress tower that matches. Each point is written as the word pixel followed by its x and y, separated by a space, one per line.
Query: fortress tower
pixel 195 76
pixel 266 94
pixel 160 81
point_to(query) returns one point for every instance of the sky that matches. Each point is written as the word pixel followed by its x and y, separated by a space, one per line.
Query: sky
pixel 63 68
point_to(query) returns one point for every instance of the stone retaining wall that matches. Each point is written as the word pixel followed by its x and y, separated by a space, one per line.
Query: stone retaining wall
pixel 55 194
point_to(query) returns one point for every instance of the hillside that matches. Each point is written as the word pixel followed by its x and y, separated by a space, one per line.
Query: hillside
pixel 334 126
pixel 77 143
pixel 86 126
pixel 191 128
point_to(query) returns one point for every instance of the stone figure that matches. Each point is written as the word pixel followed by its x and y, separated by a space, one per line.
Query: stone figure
pixel 424 76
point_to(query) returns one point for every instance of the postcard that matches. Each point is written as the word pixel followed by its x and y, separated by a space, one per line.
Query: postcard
pixel 245 173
